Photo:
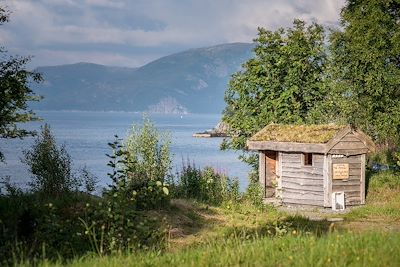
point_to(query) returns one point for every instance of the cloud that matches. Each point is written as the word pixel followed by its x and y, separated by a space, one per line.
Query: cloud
pixel 49 25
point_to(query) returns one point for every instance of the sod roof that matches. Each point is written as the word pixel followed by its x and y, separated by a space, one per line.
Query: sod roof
pixel 321 133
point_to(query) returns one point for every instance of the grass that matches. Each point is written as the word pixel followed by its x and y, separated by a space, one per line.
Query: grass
pixel 383 199
pixel 298 133
pixel 336 249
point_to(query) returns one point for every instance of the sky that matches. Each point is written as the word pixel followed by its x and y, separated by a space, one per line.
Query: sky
pixel 132 33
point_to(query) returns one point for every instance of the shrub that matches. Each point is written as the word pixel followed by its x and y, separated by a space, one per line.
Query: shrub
pixel 50 165
pixel 254 191
pixel 141 167
pixel 385 180
pixel 205 185
pixel 140 171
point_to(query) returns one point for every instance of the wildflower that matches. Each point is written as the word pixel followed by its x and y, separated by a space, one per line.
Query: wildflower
pixel 134 193
pixel 165 190
pixel 87 205
pixel 158 183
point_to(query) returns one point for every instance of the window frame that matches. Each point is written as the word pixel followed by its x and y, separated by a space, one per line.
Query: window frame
pixel 303 159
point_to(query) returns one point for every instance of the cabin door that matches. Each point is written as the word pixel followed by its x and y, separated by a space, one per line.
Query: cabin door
pixel 270 173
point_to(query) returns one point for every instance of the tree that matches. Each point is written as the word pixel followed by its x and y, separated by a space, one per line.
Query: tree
pixel 51 166
pixel 14 91
pixel 282 83
pixel 365 68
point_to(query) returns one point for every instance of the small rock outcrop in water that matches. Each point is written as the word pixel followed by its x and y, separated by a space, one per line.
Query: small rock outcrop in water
pixel 220 130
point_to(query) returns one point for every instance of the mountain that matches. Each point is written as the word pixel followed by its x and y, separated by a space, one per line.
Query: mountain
pixel 191 81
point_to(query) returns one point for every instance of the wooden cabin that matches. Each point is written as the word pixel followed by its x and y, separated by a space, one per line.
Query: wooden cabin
pixel 306 164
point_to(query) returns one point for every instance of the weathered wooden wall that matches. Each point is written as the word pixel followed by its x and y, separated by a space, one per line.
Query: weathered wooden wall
pixel 302 184
pixel 354 187
pixel 351 186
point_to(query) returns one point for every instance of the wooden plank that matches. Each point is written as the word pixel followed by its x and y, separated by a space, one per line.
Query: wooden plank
pixel 352 200
pixel 362 185
pixel 346 183
pixel 349 145
pixel 291 155
pixel 303 183
pixel 327 176
pixel 319 157
pixel 349 151
pixel 286 146
pixel 302 201
pixel 270 173
pixel 318 162
pixel 278 190
pixel 303 193
pixel 312 174
pixel 355 165
pixel 298 196
pixel 353 194
pixel 316 182
pixel 294 170
pixel 261 166
pixel 354 178
pixel 301 186
pixel 350 160
pixel 292 161
pixel 351 187
pixel 350 138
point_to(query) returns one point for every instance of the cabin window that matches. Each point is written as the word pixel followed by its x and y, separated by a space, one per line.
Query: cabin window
pixel 308 159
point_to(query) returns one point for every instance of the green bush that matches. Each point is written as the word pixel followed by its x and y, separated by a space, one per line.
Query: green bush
pixel 385 179
pixel 205 185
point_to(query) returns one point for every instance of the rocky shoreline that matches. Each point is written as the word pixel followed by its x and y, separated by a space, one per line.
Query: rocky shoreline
pixel 220 130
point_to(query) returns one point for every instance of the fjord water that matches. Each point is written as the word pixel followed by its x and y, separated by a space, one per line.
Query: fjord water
pixel 86 135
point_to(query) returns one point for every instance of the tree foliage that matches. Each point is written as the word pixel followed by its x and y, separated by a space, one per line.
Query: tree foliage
pixel 282 83
pixel 365 68
pixel 14 91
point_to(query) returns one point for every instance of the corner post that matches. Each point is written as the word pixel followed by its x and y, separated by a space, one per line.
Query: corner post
pixel 261 170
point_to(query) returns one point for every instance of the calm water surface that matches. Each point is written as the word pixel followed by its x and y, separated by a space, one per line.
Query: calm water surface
pixel 86 135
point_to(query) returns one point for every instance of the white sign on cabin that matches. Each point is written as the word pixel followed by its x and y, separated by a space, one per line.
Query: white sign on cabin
pixel 340 171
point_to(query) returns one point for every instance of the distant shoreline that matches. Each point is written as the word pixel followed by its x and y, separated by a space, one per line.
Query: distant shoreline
pixel 122 111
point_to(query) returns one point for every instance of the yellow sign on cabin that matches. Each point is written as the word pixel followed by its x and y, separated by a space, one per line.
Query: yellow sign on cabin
pixel 340 171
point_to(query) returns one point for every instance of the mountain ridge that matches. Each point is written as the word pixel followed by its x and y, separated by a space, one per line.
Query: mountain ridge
pixel 192 81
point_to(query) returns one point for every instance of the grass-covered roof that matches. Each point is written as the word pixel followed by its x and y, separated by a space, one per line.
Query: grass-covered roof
pixel 321 133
